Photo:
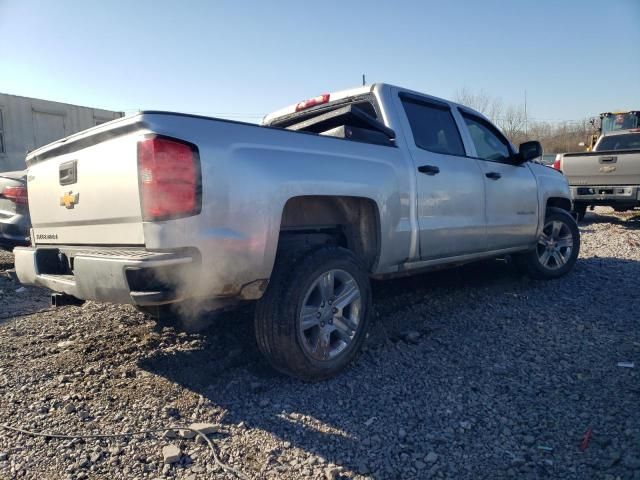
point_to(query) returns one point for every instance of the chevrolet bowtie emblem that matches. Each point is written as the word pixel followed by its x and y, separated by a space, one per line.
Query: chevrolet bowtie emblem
pixel 69 199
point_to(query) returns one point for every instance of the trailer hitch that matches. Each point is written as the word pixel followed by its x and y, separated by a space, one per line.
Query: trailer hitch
pixel 62 299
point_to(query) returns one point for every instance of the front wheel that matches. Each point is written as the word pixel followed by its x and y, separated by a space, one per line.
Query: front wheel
pixel 315 314
pixel 557 247
pixel 580 209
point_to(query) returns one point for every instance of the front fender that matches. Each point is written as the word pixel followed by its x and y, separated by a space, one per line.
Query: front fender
pixel 551 185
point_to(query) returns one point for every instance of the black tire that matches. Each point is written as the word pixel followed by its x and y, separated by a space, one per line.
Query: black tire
pixel 278 325
pixel 533 260
pixel 580 210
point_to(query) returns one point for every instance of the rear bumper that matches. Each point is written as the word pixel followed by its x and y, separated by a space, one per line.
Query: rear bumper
pixel 606 195
pixel 136 277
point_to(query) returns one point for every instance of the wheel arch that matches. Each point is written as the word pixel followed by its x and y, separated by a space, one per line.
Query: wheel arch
pixel 348 221
pixel 559 202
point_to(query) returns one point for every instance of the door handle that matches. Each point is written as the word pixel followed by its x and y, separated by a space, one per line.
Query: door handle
pixel 493 175
pixel 429 169
pixel 68 173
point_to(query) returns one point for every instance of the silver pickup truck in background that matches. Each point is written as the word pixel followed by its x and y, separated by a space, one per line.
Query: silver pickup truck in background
pixel 164 209
pixel 610 175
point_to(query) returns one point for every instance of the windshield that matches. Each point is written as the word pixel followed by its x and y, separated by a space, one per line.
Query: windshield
pixel 619 121
pixel 629 141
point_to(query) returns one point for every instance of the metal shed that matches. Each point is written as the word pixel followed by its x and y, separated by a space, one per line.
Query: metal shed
pixel 28 123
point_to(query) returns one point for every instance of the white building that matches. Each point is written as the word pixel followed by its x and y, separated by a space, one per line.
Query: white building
pixel 28 123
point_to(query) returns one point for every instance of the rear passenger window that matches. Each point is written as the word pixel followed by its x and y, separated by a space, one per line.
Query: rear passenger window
pixel 433 127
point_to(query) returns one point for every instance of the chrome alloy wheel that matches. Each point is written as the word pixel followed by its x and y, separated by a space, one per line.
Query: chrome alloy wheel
pixel 330 315
pixel 555 245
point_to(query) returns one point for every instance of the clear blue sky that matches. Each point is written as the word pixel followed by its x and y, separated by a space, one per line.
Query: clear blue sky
pixel 241 59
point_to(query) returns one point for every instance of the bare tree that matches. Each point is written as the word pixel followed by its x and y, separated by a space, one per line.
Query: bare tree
pixel 511 119
pixel 512 123
pixel 478 101
pixel 481 101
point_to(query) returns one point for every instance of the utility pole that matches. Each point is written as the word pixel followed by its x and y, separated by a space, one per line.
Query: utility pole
pixel 364 82
pixel 525 114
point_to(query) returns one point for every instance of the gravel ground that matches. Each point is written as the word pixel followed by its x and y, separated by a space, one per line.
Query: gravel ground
pixel 473 373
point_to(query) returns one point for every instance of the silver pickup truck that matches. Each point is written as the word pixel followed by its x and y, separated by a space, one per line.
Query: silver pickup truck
pixel 610 175
pixel 299 213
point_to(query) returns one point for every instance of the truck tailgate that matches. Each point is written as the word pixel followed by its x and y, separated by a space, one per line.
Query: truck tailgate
pixel 602 168
pixel 84 189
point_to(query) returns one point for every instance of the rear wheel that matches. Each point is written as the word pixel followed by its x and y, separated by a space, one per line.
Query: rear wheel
pixel 315 314
pixel 557 248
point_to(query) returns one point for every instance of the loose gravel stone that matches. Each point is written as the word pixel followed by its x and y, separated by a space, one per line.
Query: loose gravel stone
pixel 186 433
pixel 170 434
pixel 499 365
pixel 204 428
pixel 171 454
pixel 411 336
pixel 432 457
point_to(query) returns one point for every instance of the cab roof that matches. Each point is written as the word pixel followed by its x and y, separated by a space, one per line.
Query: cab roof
pixel 363 90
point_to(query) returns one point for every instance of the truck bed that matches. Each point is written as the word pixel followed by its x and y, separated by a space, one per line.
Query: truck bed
pixel 99 202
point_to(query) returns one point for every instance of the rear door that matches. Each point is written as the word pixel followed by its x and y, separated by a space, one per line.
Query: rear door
pixel 511 190
pixel 450 188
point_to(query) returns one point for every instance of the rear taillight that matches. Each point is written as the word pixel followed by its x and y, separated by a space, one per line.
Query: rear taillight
pixel 169 173
pixel 17 195
pixel 556 162
pixel 312 102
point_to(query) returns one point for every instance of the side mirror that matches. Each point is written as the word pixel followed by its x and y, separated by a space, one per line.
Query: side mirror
pixel 529 151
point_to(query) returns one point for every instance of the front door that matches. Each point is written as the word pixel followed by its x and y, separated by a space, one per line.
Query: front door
pixel 511 191
pixel 450 186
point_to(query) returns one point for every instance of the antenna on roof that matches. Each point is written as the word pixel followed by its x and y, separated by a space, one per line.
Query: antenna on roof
pixel 364 81
pixel 525 114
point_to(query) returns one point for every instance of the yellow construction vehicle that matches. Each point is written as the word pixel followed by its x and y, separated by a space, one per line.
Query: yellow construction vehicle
pixel 612 121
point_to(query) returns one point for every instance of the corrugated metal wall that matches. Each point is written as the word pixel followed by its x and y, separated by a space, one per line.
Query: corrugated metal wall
pixel 28 123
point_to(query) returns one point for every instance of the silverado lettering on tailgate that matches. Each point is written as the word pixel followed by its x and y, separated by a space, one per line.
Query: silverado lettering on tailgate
pixel 46 236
